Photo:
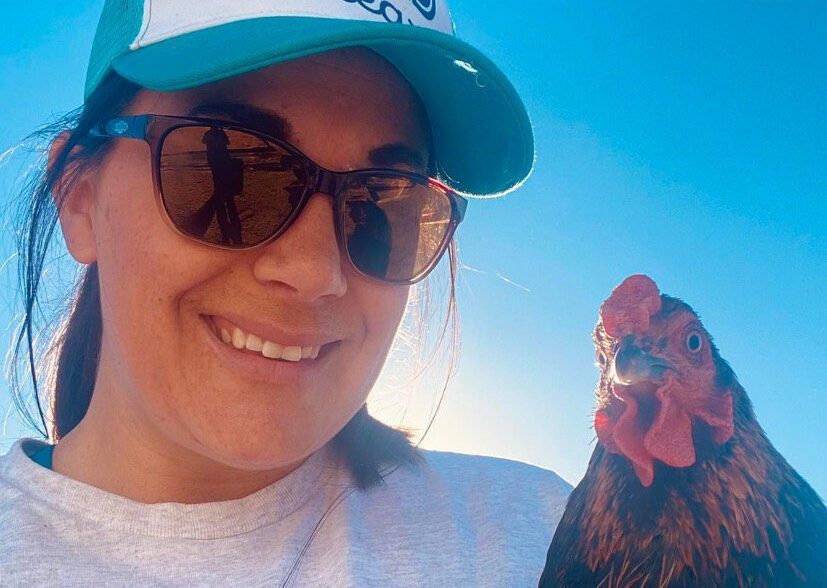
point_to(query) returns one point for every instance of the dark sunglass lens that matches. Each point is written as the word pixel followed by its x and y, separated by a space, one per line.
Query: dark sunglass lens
pixel 395 227
pixel 228 187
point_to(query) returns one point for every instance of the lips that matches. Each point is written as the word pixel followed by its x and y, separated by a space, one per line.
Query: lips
pixel 280 374
pixel 240 339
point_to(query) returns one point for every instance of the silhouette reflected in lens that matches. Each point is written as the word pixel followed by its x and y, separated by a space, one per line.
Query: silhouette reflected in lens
pixel 228 187
pixel 227 182
pixel 395 226
pixel 370 239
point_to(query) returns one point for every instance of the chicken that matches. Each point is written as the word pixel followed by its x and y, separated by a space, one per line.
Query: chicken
pixel 683 487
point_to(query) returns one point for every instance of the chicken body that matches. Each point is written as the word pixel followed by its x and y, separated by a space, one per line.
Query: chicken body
pixel 683 489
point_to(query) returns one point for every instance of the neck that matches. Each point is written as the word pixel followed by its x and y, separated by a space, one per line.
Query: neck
pixel 735 485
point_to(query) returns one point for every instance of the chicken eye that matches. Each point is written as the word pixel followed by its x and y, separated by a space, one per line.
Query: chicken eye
pixel 694 342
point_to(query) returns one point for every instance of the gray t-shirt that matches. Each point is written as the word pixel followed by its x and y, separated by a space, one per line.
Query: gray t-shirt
pixel 458 520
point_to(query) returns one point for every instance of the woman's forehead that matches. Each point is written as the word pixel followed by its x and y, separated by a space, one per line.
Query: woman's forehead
pixel 347 73
pixel 351 95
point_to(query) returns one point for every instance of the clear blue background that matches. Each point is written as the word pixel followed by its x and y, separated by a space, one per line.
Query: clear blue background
pixel 683 140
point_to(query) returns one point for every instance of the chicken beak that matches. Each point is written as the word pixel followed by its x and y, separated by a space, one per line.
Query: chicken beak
pixel 632 365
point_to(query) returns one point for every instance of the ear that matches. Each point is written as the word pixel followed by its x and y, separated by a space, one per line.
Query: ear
pixel 74 199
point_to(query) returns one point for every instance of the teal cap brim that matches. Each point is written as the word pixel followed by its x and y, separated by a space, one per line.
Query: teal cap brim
pixel 483 141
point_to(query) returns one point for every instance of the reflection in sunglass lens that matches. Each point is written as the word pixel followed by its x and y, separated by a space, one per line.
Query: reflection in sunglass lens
pixel 228 187
pixel 394 226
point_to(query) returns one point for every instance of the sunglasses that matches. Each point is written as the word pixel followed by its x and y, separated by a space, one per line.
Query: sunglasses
pixel 232 187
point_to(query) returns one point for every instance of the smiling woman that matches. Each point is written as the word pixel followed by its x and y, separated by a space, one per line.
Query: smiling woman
pixel 253 197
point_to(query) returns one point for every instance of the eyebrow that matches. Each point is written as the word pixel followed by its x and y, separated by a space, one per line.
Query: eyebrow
pixel 246 115
pixel 396 153
pixel 276 125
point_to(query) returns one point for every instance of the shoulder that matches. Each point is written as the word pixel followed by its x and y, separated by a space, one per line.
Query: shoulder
pixel 19 517
pixel 490 480
pixel 515 503
pixel 483 519
pixel 15 479
pixel 13 501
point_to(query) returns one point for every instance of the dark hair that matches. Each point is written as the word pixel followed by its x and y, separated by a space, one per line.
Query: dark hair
pixel 70 359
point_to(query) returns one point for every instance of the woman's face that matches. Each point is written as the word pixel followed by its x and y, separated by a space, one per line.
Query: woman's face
pixel 164 369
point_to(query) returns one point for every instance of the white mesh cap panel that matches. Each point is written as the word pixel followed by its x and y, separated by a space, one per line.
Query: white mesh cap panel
pixel 165 19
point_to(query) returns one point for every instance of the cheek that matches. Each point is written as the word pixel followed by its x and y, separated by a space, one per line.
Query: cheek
pixel 145 269
pixel 381 308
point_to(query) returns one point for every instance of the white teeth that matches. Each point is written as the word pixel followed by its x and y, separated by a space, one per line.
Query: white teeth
pixel 271 350
pixel 292 353
pixel 253 343
pixel 238 338
pixel 241 340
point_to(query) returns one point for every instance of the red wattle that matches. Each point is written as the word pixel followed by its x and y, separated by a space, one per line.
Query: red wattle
pixel 628 437
pixel 669 439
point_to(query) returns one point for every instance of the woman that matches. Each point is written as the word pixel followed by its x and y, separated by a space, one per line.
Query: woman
pixel 209 421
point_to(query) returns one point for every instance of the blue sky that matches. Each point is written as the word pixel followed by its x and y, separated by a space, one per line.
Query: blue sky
pixel 682 140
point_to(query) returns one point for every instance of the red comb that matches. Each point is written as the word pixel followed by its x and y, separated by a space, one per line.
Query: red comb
pixel 630 306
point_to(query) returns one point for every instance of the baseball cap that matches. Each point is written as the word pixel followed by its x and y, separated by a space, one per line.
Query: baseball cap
pixel 483 140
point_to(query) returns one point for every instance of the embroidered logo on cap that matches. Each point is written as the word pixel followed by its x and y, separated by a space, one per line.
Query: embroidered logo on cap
pixel 392 13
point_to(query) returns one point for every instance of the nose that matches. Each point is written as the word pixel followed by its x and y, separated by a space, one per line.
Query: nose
pixel 305 259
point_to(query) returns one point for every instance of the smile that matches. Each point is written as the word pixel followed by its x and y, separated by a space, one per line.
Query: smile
pixel 234 336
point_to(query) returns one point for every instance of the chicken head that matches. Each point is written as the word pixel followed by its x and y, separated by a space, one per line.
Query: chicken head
pixel 660 390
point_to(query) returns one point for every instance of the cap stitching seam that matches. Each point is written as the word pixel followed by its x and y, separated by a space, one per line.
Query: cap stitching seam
pixel 144 27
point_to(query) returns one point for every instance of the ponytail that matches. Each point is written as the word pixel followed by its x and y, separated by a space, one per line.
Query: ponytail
pixel 79 351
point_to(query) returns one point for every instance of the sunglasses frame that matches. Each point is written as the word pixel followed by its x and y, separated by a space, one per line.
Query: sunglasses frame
pixel 153 129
